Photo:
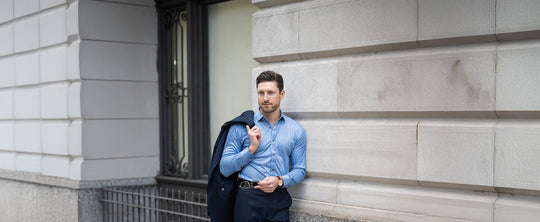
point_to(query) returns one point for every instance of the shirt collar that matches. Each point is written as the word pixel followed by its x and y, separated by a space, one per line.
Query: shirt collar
pixel 259 116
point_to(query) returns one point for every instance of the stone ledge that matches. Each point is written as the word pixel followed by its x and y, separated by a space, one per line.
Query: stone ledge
pixel 36 178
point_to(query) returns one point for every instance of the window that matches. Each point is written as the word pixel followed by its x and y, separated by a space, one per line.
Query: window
pixel 205 78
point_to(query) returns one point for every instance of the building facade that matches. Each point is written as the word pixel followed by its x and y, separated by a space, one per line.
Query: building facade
pixel 414 110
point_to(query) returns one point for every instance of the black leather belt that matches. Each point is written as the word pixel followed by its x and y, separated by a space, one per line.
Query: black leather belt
pixel 246 184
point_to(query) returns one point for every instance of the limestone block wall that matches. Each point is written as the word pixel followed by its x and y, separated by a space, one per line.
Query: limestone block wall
pixel 78 100
pixel 79 88
pixel 415 110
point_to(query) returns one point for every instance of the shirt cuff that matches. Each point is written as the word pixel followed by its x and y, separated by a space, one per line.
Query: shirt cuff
pixel 286 180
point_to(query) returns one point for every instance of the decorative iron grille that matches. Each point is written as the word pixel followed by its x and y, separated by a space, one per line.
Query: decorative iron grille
pixel 153 203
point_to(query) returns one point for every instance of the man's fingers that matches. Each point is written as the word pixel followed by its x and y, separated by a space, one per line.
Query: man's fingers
pixel 247 127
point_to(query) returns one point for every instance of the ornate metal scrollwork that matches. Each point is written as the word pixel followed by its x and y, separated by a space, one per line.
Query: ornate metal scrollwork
pixel 174 166
pixel 176 93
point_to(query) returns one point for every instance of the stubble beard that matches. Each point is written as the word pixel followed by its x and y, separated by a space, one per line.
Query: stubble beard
pixel 270 109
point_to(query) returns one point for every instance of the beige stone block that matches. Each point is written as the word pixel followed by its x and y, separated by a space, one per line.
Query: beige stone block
pixel 310 86
pixel 517 152
pixel 270 3
pixel 517 208
pixel 517 16
pixel 317 189
pixel 363 213
pixel 361 147
pixel 435 79
pixel 518 76
pixel 441 19
pixel 346 27
pixel 275 34
pixel 456 151
pixel 456 204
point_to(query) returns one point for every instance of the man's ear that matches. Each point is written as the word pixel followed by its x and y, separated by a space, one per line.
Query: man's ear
pixel 282 94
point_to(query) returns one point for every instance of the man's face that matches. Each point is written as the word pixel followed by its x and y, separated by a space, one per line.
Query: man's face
pixel 269 96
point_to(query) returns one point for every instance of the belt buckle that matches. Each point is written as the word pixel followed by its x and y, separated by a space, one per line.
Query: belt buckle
pixel 247 184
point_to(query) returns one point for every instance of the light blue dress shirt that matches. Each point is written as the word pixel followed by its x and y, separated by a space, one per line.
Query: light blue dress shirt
pixel 282 146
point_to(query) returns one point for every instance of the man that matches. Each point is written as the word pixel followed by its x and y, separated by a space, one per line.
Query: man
pixel 269 156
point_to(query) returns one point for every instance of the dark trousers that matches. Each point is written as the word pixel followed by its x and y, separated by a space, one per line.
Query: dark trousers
pixel 255 205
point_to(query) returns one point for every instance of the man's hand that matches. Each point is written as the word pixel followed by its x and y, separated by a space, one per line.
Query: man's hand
pixel 254 138
pixel 268 185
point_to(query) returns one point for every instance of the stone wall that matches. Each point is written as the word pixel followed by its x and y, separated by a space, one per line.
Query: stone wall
pixel 78 100
pixel 414 110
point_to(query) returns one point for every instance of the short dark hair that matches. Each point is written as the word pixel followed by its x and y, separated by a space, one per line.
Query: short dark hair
pixel 271 76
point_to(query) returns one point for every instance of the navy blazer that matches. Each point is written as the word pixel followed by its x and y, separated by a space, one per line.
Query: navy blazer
pixel 221 191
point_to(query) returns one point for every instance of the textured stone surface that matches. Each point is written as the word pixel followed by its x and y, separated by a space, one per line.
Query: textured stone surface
pixel 516 16
pixel 275 33
pixel 28 136
pixel 316 189
pixel 117 22
pixel 456 151
pixel 459 18
pixel 25 7
pixel 517 208
pixel 26 102
pixel 28 162
pixel 334 25
pixel 7 131
pixel 7 160
pixel 363 144
pixel 32 202
pixel 52 64
pixel 115 99
pixel 107 169
pixel 332 212
pixel 309 85
pixel 270 3
pixel 7 65
pixel 54 102
pixel 54 137
pixel 52 28
pixel 74 100
pixel 43 4
pixel 6 10
pixel 34 197
pixel 26 34
pixel 517 154
pixel 118 61
pixel 6 102
pixel 518 76
pixel 72 61
pixel 6 39
pixel 120 138
pixel 27 69
pixel 299 216
pixel 57 166
pixel 455 204
pixel 438 79
pixel 75 138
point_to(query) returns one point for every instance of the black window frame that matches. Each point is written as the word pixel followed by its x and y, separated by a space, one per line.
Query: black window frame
pixel 197 72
